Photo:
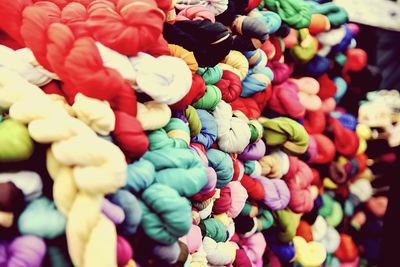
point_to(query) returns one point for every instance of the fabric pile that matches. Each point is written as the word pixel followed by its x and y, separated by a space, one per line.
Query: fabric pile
pixel 188 133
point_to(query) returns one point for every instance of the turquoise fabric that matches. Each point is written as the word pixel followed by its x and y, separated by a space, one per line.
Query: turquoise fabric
pixel 166 215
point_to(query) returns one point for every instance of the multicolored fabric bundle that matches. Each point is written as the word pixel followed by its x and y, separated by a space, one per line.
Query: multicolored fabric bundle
pixel 186 133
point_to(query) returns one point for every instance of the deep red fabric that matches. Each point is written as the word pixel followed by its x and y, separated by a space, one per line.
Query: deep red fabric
pixel 254 189
pixel 315 121
pixel 203 197
pixel 197 90
pixel 230 86
pixel 223 203
pixel 346 141
pixel 327 87
pixel 254 105
pixel 129 135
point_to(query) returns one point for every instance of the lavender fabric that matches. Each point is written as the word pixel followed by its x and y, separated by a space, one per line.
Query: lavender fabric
pixel 23 251
pixel 254 151
pixel 167 253
pixel 211 182
pixel 277 193
pixel 113 212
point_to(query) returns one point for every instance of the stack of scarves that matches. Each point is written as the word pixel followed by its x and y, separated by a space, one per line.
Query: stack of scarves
pixel 186 133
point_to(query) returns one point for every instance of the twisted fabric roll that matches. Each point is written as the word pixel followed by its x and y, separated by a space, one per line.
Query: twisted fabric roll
pixel 256 80
pixel 311 254
pixel 73 191
pixel 113 212
pixel 160 220
pixel 175 134
pixel 277 193
pixel 326 149
pixel 216 7
pixel 306 48
pixel 194 121
pixel 281 71
pixel 319 228
pixel 210 42
pixel 42 219
pixel 232 199
pixel 179 51
pixel 210 99
pixel 286 132
pixel 132 211
pixel 304 230
pixel 285 252
pixel 308 90
pixel 331 240
pixel 317 66
pixel 271 20
pixel 233 133
pixel 315 121
pixel 102 83
pixel 156 77
pixel 295 13
pixel 124 252
pixel 254 247
pixel 148 111
pixel 298 180
pixel 274 165
pixel 24 251
pixel 20 62
pixel 213 229
pixel 336 14
pixel 264 220
pixel 285 100
pixel 253 151
pixel 230 86
pixel 347 250
pixel 287 222
pixel 116 31
pixel 362 189
pixel 210 75
pixel 219 253
pixel 194 13
pixel 15 142
pixel 140 175
pixel 252 28
pixel 319 24
pixel 257 58
pixel 211 174
pixel 197 91
pixel 209 130
pixel 28 182
pixel 98 115
pixel 256 129
pixel 237 63
pixel 346 141
pixel 183 171
pixel 254 188
pixel 331 38
pixel 223 166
